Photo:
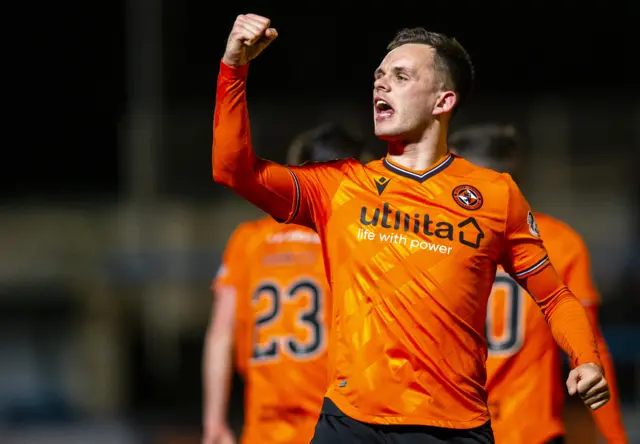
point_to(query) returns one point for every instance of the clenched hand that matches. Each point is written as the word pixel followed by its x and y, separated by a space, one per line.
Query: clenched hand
pixel 588 382
pixel 249 36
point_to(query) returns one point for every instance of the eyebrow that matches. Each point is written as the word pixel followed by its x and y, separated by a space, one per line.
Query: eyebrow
pixel 396 70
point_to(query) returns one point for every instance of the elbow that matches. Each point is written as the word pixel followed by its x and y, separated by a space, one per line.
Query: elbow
pixel 552 302
pixel 221 177
pixel 222 174
pixel 227 169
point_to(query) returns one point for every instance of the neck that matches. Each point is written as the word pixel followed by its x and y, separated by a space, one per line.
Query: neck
pixel 420 155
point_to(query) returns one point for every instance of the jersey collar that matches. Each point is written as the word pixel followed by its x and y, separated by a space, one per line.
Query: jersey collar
pixel 418 176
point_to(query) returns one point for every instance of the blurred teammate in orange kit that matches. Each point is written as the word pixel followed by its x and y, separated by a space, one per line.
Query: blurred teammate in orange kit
pixel 524 365
pixel 272 300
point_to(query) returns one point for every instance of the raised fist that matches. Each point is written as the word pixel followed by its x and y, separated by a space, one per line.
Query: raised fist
pixel 249 36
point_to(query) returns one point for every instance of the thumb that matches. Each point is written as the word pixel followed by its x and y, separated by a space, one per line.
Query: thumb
pixel 271 34
pixel 572 382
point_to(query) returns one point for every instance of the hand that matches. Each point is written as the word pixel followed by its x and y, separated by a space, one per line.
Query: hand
pixel 588 381
pixel 219 435
pixel 249 36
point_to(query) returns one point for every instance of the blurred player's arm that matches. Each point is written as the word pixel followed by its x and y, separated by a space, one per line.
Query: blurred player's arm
pixel 228 318
pixel 526 260
pixel 578 278
pixel 218 366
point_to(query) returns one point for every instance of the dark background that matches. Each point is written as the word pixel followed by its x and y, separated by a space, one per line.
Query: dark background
pixel 78 66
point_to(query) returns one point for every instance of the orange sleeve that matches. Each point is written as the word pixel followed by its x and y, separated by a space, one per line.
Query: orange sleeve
pixel 289 194
pixel 265 184
pixel 609 417
pixel 231 270
pixel 524 254
pixel 564 314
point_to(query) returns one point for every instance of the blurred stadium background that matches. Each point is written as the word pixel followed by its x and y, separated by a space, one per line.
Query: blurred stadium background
pixel 111 235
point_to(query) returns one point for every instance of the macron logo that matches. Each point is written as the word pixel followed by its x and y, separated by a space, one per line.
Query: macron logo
pixel 381 184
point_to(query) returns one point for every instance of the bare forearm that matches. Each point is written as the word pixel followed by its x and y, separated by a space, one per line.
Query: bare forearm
pixel 217 370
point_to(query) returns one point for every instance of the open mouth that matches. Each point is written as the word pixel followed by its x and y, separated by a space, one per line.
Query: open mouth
pixel 383 109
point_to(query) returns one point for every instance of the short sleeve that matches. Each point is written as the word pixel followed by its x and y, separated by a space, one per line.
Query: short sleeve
pixel 577 275
pixel 230 272
pixel 523 254
pixel 316 184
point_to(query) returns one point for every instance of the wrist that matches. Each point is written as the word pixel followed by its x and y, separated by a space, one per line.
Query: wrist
pixel 212 420
pixel 592 360
pixel 212 427
pixel 233 72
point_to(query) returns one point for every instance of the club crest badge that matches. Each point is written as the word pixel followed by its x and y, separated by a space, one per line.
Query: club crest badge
pixel 533 227
pixel 468 197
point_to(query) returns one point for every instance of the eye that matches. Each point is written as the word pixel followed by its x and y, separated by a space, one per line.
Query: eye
pixel 401 77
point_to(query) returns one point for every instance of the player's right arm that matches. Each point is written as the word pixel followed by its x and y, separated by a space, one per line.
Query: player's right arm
pixel 285 193
pixel 265 184
pixel 217 369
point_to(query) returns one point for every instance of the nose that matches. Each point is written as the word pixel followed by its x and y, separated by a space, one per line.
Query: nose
pixel 381 84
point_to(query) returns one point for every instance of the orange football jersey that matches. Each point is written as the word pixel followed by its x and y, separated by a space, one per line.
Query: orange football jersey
pixel 526 391
pixel 282 306
pixel 411 257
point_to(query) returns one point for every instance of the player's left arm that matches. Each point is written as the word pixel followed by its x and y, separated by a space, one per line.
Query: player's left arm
pixel 226 329
pixel 577 277
pixel 526 259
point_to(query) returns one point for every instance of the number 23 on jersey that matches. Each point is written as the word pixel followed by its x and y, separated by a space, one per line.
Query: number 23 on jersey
pixel 290 321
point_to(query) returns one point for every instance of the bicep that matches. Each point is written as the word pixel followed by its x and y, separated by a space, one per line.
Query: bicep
pixel 523 253
pixel 271 187
pixel 289 194
pixel 296 194
pixel 316 184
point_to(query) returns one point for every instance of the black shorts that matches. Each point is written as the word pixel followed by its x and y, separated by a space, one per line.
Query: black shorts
pixel 334 427
pixel 557 440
